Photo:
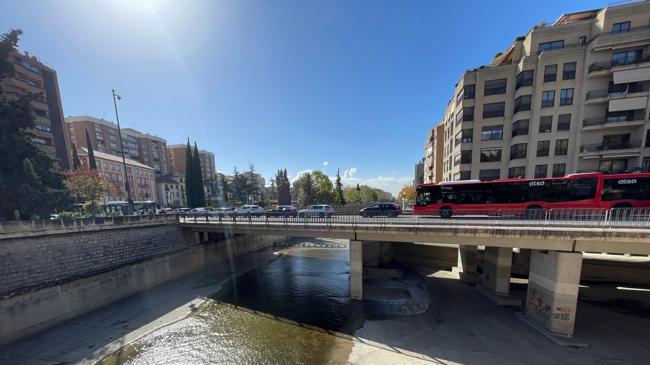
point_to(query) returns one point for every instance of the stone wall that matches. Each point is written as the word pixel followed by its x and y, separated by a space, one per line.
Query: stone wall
pixel 37 262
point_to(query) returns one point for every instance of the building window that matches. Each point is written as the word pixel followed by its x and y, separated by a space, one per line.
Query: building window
pixel 543 148
pixel 490 154
pixel 518 151
pixel 550 73
pixel 545 124
pixel 569 71
pixel 493 132
pixel 457 139
pixel 489 174
pixel 40 112
pixel 467 136
pixel 564 122
pixel 561 147
pixel 522 103
pixel 548 99
pixel 468 114
pixel 465 175
pixel 548 46
pixel 525 78
pixel 559 169
pixel 495 87
pixel 457 159
pixel 494 110
pixel 520 127
pixel 517 171
pixel 466 156
pixel 469 91
pixel 626 57
pixel 621 27
pixel 582 40
pixel 613 166
pixel 647 138
pixel 541 171
pixel 566 96
pixel 459 117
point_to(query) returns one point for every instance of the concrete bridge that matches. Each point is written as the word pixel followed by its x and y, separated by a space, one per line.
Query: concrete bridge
pixel 556 246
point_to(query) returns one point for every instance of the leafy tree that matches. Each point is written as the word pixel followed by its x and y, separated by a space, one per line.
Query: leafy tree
pixel 91 153
pixel 239 186
pixel 364 194
pixel 304 188
pixel 252 185
pixel 407 193
pixel 29 181
pixel 189 176
pixel 339 197
pixel 90 186
pixel 197 180
pixel 322 188
pixel 76 162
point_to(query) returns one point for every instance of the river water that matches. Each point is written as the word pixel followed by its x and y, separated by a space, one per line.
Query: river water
pixel 294 310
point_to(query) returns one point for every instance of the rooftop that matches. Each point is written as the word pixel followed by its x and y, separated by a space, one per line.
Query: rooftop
pixel 106 156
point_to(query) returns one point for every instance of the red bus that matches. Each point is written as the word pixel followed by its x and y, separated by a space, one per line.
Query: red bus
pixel 587 190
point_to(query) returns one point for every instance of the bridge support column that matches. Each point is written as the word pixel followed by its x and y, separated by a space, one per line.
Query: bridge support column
pixel 377 253
pixel 495 282
pixel 553 285
pixel 356 269
pixel 467 261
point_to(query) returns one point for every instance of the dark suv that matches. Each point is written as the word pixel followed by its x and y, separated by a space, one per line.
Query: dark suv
pixel 382 209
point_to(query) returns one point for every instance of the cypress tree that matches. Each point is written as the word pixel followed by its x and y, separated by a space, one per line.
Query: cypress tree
pixel 91 153
pixel 197 179
pixel 338 190
pixel 76 162
pixel 189 176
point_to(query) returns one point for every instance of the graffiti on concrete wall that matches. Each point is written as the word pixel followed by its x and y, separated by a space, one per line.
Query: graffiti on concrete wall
pixel 538 306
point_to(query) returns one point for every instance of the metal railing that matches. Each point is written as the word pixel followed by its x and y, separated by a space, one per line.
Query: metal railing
pixel 597 147
pixel 35 226
pixel 582 217
pixel 610 93
pixel 606 65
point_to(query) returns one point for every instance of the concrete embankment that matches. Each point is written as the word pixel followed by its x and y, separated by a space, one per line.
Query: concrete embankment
pixel 51 278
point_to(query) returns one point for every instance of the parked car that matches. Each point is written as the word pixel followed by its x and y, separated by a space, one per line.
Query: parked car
pixel 223 212
pixel 381 209
pixel 282 211
pixel 200 212
pixel 317 210
pixel 255 210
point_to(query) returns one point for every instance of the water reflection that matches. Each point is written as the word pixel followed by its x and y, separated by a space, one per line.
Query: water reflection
pixel 296 310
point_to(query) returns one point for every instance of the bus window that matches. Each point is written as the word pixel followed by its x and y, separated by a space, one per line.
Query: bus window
pixel 471 194
pixel 500 193
pixel 581 189
pixel 556 191
pixel 427 195
pixel 519 192
pixel 627 188
pixel 448 194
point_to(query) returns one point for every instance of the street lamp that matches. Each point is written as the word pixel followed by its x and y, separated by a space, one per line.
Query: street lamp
pixel 119 133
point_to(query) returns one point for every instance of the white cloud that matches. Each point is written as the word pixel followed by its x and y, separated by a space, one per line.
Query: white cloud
pixel 298 175
pixel 325 163
pixel 387 183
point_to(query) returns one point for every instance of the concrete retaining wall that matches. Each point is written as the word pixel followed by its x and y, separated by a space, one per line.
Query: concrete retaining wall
pixel 31 312
pixel 33 262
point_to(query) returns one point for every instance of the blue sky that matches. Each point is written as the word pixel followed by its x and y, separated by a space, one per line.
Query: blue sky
pixel 301 85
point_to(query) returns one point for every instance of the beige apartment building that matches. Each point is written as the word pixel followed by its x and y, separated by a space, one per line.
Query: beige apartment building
pixel 433 154
pixel 49 131
pixel 567 97
pixel 176 154
pixel 142 147
pixel 149 149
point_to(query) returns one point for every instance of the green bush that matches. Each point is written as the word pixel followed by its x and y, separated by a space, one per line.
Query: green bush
pixel 69 215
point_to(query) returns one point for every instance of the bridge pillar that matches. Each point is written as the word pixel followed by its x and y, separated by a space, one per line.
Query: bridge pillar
pixel 495 281
pixel 377 253
pixel 356 269
pixel 466 265
pixel 553 284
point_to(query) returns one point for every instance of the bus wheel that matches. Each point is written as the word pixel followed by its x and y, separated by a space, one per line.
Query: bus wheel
pixel 445 212
pixel 534 212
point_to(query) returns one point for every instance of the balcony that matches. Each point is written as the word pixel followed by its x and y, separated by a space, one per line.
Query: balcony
pixel 606 94
pixel 630 118
pixel 605 149
pixel 607 65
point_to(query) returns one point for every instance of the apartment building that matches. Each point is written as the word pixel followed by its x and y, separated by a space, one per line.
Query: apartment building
pixel 433 154
pixel 149 149
pixel 176 153
pixel 171 191
pixel 567 97
pixel 49 132
pixel 142 183
pixel 104 136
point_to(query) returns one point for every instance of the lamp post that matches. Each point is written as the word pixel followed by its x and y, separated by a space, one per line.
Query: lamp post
pixel 119 133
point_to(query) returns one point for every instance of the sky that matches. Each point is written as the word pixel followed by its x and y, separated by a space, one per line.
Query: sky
pixel 294 84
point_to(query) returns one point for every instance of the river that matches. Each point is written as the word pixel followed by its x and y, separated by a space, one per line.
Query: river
pixel 294 309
